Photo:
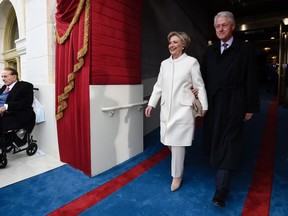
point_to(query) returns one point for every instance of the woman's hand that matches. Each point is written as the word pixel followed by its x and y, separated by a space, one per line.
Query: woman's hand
pixel 148 111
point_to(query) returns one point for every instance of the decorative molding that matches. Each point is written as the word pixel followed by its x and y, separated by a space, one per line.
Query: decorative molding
pixel 10 54
pixel 21 46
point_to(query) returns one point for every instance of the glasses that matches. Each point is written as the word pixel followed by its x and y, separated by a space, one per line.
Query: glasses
pixel 224 26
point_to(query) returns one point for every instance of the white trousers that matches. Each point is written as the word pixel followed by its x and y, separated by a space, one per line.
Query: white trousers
pixel 177 160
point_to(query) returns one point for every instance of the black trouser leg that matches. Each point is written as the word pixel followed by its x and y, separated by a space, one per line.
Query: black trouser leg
pixel 223 179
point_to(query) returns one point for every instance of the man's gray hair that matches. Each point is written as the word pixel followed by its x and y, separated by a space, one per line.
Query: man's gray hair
pixel 226 14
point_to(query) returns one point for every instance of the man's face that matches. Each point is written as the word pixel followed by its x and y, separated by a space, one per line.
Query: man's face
pixel 7 78
pixel 224 28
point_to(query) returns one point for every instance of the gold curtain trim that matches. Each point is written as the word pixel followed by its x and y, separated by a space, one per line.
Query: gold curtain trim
pixel 71 25
pixel 62 97
pixel 62 104
pixel 71 77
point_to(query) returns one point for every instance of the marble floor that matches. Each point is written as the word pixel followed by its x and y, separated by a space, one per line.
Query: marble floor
pixel 21 166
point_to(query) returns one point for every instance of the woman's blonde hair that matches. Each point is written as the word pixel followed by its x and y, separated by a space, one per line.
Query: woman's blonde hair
pixel 184 38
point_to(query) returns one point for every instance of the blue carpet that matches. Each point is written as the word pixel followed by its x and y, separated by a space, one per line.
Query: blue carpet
pixel 150 194
pixel 44 193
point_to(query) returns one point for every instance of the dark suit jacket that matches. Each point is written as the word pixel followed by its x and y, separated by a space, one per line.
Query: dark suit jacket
pixel 231 81
pixel 19 102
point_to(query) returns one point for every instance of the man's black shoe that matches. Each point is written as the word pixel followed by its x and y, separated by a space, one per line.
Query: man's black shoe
pixel 219 198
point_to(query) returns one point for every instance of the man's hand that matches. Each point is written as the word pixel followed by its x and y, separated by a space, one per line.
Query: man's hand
pixel 2 110
pixel 194 91
pixel 248 116
pixel 203 113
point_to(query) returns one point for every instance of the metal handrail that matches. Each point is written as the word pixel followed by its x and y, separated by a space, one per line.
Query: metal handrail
pixel 113 108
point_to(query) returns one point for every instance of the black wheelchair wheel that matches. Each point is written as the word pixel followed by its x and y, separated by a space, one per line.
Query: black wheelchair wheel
pixel 9 148
pixel 3 160
pixel 31 149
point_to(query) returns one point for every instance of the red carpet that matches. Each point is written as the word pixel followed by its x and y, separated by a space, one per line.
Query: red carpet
pixel 91 198
pixel 258 199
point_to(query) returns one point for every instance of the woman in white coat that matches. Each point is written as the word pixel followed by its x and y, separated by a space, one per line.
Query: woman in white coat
pixel 178 74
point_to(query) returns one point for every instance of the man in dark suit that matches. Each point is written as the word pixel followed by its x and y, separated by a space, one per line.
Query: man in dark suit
pixel 230 75
pixel 16 98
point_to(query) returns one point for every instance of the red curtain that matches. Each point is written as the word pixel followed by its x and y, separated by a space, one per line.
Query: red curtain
pixel 72 83
pixel 115 58
pixel 116 42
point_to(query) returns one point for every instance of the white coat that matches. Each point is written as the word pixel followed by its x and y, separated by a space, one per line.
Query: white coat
pixel 173 86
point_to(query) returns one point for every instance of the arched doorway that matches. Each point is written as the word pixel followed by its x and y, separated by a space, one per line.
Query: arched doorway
pixel 11 34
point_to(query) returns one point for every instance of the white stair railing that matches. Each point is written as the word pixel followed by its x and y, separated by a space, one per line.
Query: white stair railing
pixel 112 109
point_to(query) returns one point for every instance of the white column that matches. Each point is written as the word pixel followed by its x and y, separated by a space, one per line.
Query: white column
pixel 40 41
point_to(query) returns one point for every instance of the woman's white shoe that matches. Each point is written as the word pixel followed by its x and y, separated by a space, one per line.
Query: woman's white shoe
pixel 176 182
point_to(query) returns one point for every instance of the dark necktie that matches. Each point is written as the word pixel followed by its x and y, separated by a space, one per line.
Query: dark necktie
pixel 225 45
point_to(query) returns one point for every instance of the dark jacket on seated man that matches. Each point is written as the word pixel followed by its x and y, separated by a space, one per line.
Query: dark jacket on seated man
pixel 19 113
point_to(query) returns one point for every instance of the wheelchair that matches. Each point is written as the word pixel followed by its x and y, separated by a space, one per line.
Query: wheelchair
pixel 16 141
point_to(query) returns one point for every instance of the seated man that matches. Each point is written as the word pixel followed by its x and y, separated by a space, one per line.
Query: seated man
pixel 16 98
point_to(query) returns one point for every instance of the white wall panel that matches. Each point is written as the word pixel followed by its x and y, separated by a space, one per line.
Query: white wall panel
pixel 116 138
